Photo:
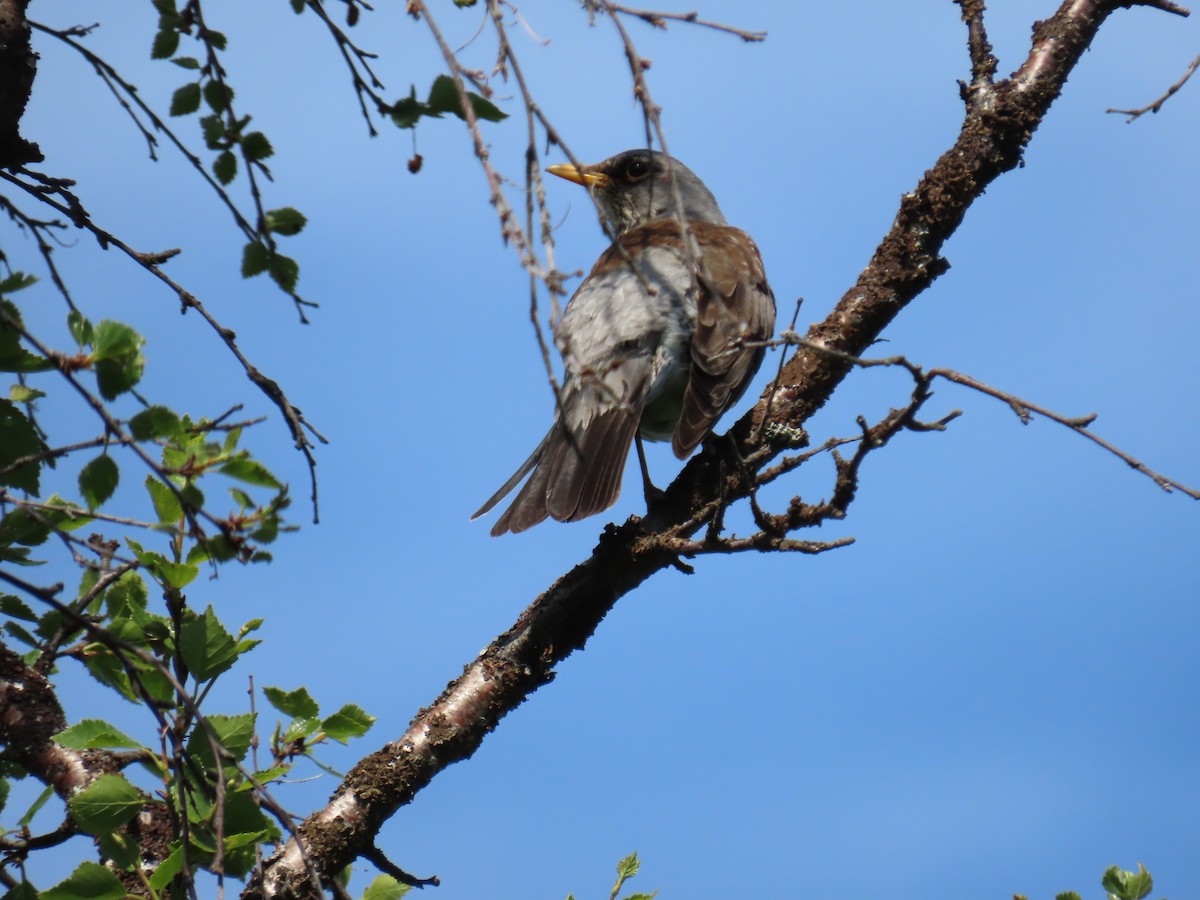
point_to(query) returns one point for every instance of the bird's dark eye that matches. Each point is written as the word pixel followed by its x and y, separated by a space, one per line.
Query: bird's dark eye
pixel 637 169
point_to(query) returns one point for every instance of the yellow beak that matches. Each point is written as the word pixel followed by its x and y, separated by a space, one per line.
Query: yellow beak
pixel 579 176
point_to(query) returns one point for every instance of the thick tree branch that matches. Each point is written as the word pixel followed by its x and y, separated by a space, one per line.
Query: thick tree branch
pixel 1000 121
pixel 18 65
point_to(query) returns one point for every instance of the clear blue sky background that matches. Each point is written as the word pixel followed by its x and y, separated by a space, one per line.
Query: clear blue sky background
pixel 988 693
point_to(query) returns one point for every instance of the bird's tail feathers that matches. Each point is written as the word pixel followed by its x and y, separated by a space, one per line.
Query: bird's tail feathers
pixel 515 479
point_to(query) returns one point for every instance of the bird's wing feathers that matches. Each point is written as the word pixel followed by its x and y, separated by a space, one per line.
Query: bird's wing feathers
pixel 735 309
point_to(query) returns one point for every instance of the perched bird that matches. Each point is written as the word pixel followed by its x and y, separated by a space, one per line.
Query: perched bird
pixel 660 339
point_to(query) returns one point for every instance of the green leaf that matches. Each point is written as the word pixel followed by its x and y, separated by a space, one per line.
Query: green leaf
pixel 166 42
pixel 22 635
pixel 166 572
pixel 251 471
pixel 115 378
pixel 215 39
pixel 15 608
pixel 166 501
pixel 286 221
pixel 1126 885
pixel 443 97
pixel 348 722
pixel 118 361
pixel 285 271
pixel 65 516
pixel 19 439
pixel 628 867
pixel 298 6
pixel 217 94
pixel 292 703
pixel 1067 895
pixel 301 728
pixel 213 129
pixel 22 891
pixel 14 357
pixel 385 887
pixel 36 806
pixel 80 328
pixel 485 109
pixel 119 851
pixel 407 111
pixel 19 393
pixel 167 869
pixel 256 146
pixel 4 789
pixel 89 881
pixel 93 734
pixel 186 62
pixel 129 593
pixel 208 649
pixel 232 732
pixel 106 804
pixel 17 281
pixel 23 527
pixel 19 556
pixel 186 100
pixel 154 422
pixel 216 548
pixel 166 8
pixel 98 480
pixel 225 167
pixel 255 259
pixel 245 826
pixel 107 669
pixel 115 340
pixel 266 776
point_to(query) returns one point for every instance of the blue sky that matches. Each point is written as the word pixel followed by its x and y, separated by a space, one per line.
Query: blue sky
pixel 987 693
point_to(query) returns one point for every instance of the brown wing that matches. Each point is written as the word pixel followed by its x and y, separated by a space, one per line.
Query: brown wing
pixel 734 310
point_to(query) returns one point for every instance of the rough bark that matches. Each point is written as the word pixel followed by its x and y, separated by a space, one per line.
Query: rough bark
pixel 18 65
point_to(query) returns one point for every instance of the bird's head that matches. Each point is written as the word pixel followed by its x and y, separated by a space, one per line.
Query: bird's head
pixel 634 187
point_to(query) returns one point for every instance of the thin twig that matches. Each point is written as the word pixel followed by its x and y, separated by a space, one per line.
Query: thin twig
pixel 1077 424
pixel 660 19
pixel 1157 104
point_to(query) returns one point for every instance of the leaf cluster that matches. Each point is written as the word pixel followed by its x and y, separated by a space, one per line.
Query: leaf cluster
pixel 1118 884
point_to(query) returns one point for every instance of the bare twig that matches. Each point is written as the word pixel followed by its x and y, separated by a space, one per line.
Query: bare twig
pixel 1158 104
pixel 1077 424
pixel 366 84
pixel 660 19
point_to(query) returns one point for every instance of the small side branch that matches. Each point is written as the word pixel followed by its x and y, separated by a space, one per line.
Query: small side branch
pixel 1079 425
pixel 660 19
pixel 1157 104
pixel 983 61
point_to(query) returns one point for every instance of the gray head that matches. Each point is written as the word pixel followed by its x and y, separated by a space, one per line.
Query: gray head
pixel 634 187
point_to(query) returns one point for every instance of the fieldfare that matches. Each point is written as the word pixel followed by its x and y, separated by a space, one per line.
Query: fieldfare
pixel 660 339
